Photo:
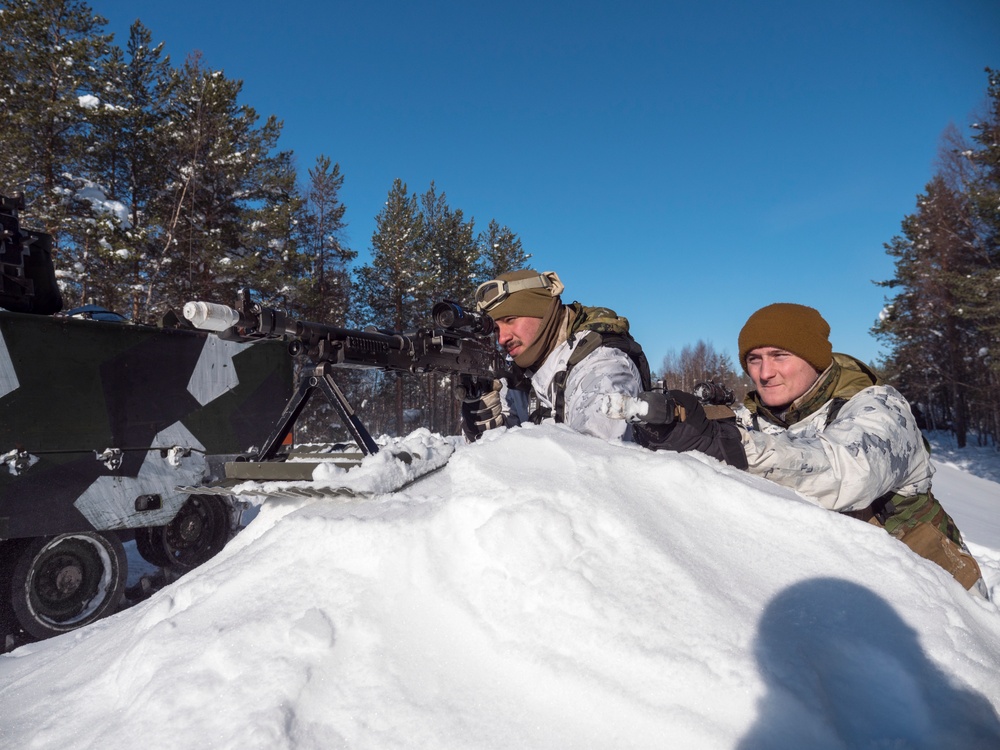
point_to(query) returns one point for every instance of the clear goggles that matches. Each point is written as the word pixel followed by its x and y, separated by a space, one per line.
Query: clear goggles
pixel 491 293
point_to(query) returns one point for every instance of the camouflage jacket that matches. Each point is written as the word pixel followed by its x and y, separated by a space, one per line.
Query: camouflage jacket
pixel 871 446
pixel 604 370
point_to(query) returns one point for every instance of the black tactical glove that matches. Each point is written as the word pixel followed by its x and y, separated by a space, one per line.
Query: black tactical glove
pixel 480 412
pixel 676 421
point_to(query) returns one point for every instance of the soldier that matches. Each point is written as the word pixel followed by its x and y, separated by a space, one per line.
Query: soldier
pixel 565 356
pixel 820 423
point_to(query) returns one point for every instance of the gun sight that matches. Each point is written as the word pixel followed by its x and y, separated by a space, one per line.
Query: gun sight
pixel 714 393
pixel 454 317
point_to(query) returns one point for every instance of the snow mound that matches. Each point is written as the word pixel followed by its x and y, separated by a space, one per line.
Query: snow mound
pixel 542 590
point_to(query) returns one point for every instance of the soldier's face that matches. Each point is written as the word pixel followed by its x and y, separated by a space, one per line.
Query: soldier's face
pixel 780 376
pixel 516 332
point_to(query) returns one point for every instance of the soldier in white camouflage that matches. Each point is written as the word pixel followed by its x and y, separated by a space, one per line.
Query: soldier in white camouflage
pixel 823 424
pixel 563 358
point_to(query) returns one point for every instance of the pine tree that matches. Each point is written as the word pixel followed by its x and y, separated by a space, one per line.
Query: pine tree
pixel 50 53
pixel 127 153
pixel 327 286
pixel 453 254
pixel 222 231
pixel 272 249
pixel 980 294
pixel 387 290
pixel 931 335
pixel 451 274
pixel 390 288
pixel 500 252
pixel 984 194
pixel 944 321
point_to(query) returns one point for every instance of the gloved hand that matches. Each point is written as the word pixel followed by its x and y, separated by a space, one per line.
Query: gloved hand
pixel 652 407
pixel 676 421
pixel 687 408
pixel 480 412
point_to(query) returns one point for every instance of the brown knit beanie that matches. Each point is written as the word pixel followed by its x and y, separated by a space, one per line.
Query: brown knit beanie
pixel 528 303
pixel 795 328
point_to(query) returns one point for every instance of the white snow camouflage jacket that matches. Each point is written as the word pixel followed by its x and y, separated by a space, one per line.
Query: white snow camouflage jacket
pixel 872 446
pixel 604 370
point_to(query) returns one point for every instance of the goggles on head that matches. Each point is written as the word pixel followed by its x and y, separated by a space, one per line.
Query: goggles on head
pixel 491 293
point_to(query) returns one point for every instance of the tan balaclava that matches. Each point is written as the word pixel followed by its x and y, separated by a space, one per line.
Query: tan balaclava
pixel 536 302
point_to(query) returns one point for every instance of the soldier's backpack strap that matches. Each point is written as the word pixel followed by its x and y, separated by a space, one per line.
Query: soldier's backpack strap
pixel 604 327
pixel 591 341
pixel 836 404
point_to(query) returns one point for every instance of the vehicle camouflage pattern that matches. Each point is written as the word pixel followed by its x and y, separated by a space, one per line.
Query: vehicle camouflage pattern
pixel 102 425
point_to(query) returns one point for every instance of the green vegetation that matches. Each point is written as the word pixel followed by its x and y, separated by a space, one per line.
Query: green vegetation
pixel 942 320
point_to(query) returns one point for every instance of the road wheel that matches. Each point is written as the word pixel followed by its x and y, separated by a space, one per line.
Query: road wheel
pixel 199 530
pixel 149 544
pixel 63 582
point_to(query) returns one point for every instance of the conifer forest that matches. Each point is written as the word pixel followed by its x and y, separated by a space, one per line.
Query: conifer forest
pixel 160 185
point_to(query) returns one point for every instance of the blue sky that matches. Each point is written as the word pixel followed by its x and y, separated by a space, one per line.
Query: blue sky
pixel 683 163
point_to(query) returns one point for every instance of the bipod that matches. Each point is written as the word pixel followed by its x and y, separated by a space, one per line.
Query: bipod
pixel 318 377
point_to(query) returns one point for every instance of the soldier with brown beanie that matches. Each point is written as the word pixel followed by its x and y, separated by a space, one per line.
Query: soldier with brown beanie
pixel 823 424
pixel 564 357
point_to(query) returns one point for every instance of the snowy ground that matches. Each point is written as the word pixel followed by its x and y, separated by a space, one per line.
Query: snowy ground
pixel 543 590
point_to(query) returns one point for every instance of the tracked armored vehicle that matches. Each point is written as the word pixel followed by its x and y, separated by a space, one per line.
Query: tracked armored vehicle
pixel 102 422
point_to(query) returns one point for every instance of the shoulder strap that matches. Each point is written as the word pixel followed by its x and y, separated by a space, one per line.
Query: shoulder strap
pixel 836 404
pixel 591 341
pixel 594 340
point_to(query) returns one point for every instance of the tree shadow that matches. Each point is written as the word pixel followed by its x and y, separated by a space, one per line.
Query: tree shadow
pixel 844 671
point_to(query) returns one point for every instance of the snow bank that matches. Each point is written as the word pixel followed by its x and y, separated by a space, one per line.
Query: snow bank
pixel 542 590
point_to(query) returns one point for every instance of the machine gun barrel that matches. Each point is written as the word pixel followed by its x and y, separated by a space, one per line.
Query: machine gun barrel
pixel 317 340
pixel 466 345
pixel 462 343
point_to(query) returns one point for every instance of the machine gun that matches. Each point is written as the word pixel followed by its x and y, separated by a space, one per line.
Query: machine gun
pixel 27 278
pixel 461 342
